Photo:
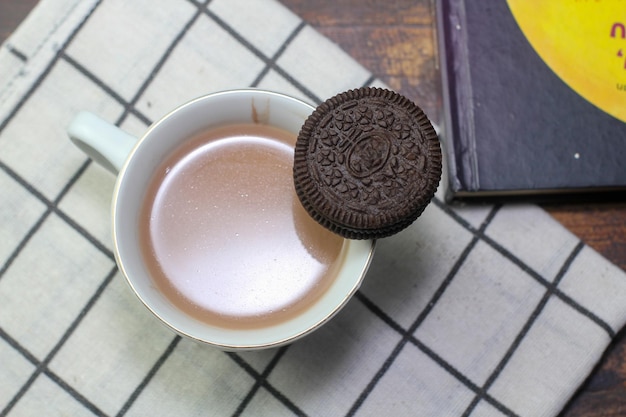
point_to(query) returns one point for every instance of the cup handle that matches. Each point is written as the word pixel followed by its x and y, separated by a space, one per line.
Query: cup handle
pixel 102 141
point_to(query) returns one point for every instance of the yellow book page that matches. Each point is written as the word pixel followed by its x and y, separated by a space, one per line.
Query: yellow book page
pixel 583 42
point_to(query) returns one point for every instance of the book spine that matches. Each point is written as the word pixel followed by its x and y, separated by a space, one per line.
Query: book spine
pixel 457 94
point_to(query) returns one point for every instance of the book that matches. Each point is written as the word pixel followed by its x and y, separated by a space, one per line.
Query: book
pixel 534 98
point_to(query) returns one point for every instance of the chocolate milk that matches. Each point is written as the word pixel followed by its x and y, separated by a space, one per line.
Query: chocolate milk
pixel 224 235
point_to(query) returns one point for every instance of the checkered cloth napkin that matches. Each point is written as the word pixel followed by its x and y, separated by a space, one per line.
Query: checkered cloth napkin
pixel 472 311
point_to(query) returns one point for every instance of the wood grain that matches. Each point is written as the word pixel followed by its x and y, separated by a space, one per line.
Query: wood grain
pixel 396 40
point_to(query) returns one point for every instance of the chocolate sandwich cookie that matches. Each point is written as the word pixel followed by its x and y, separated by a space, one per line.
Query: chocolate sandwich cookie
pixel 367 163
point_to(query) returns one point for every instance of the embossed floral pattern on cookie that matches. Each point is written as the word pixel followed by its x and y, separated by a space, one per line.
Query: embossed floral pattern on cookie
pixel 367 162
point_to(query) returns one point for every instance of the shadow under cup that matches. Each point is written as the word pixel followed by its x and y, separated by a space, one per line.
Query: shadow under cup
pixel 163 138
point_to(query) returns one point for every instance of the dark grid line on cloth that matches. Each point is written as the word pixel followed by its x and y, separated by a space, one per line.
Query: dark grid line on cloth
pixel 461 377
pixel 537 276
pixel 553 288
pixel 24 57
pixel 269 62
pixel 259 380
pixel 534 274
pixel 48 68
pixel 129 108
pixel 51 207
pixel 408 334
pixel 18 347
pixel 42 366
pixel 262 380
pixel 524 331
pixel 151 373
pixel 74 393
pixel 17 53
pixel 155 70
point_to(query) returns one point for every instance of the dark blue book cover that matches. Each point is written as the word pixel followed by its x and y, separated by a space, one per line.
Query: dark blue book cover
pixel 519 118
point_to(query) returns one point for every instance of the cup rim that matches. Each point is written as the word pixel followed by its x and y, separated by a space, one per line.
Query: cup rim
pixel 364 247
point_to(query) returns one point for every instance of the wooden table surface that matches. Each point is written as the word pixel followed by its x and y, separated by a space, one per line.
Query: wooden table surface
pixel 396 40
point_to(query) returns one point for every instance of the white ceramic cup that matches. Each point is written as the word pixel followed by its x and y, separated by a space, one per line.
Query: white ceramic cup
pixel 135 161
